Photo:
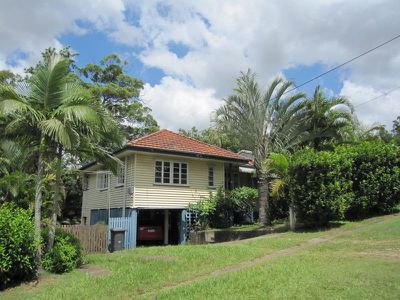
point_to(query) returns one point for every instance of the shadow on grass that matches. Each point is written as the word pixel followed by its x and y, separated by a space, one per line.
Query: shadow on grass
pixel 313 228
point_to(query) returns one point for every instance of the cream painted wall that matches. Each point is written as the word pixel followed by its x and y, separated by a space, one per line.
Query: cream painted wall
pixel 145 192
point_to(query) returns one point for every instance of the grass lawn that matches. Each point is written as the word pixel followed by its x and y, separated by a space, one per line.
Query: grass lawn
pixel 355 261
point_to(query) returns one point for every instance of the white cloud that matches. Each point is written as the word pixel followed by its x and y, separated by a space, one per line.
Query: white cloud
pixel 381 110
pixel 176 104
pixel 222 38
pixel 270 36
pixel 31 26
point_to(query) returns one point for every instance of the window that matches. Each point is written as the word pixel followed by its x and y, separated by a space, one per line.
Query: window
pixel 102 181
pixel 121 175
pixel 85 182
pixel 158 172
pixel 211 176
pixel 167 172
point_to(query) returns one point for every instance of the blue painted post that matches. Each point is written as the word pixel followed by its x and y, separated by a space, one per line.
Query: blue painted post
pixel 183 228
pixel 133 228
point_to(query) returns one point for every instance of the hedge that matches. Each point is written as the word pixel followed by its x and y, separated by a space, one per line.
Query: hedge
pixel 375 177
pixel 350 182
pixel 320 187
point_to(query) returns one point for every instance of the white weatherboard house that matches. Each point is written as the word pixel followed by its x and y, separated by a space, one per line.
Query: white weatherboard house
pixel 163 172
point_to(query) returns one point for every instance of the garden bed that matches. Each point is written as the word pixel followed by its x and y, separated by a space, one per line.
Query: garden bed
pixel 233 233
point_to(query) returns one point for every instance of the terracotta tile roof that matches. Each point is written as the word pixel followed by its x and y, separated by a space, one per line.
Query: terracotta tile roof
pixel 166 140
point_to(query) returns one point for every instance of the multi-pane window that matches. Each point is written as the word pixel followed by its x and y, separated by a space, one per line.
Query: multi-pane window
pixel 121 175
pixel 167 172
pixel 102 180
pixel 158 171
pixel 211 176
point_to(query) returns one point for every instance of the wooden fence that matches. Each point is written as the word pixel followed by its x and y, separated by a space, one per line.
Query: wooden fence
pixel 94 238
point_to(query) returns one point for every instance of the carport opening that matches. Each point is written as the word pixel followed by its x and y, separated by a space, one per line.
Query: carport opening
pixel 152 224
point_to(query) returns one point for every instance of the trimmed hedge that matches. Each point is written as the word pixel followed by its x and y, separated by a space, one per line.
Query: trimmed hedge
pixel 349 182
pixel 17 245
pixel 319 186
pixel 376 178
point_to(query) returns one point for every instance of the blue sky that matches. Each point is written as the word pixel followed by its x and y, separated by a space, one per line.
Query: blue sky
pixel 190 52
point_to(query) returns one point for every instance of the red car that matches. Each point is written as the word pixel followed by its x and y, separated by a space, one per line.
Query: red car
pixel 150 233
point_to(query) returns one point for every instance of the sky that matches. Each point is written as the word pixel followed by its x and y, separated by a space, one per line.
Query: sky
pixel 189 53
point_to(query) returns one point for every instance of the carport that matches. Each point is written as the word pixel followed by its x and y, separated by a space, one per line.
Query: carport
pixel 161 227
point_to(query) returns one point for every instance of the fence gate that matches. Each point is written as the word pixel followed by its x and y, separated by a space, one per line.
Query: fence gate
pixel 129 224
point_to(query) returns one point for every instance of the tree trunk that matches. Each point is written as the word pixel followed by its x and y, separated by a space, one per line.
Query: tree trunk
pixel 38 201
pixel 264 215
pixel 56 201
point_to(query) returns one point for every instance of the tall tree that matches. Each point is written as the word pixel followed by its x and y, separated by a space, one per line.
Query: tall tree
pixel 265 122
pixel 109 83
pixel 329 119
pixel 55 113
pixel 396 130
pixel 213 136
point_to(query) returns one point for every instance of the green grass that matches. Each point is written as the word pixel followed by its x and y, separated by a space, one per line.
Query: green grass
pixel 361 264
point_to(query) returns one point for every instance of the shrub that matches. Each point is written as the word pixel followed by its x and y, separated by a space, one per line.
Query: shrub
pixel 352 181
pixel 244 200
pixel 17 245
pixel 65 255
pixel 218 211
pixel 320 186
pixel 375 178
pixel 204 208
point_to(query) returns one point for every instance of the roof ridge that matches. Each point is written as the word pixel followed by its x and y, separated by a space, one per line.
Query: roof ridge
pixel 148 142
pixel 201 142
pixel 146 136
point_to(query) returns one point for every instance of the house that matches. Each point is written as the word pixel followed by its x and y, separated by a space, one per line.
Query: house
pixel 161 174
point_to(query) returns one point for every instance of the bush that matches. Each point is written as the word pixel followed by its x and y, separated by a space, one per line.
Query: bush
pixel 244 201
pixel 204 208
pixel 17 245
pixel 320 186
pixel 375 178
pixel 218 211
pixel 352 181
pixel 65 255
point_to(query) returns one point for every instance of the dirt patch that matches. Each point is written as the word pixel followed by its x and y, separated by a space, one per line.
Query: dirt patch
pixel 366 241
pixel 388 254
pixel 94 270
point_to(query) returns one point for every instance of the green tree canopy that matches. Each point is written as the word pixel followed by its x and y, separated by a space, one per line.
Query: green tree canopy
pixel 119 92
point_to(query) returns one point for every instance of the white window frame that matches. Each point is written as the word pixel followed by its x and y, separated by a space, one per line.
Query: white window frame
pixel 213 176
pixel 171 172
pixel 102 180
pixel 85 182
pixel 120 176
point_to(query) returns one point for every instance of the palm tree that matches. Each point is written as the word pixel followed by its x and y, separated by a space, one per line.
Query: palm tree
pixel 56 114
pixel 278 166
pixel 329 118
pixel 265 122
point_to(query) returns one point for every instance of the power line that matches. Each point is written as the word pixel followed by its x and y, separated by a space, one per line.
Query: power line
pixel 379 96
pixel 343 64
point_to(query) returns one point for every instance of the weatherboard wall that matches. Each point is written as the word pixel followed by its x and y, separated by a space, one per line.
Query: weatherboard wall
pixel 148 194
pixel 93 198
pixel 141 191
